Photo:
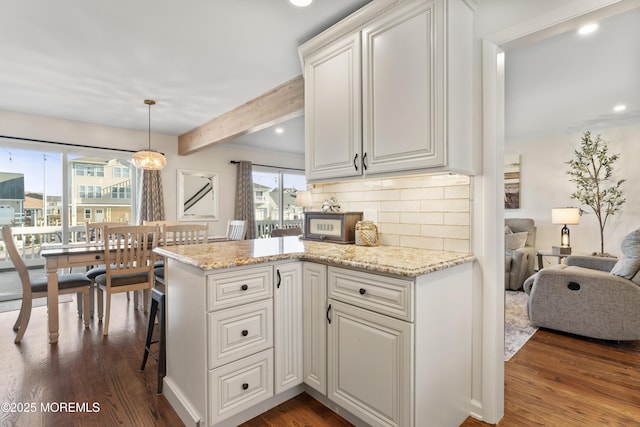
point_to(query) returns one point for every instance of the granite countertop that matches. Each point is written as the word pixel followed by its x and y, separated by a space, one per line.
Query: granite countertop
pixel 409 262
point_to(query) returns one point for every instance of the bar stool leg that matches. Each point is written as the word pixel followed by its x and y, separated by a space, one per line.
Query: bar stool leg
pixel 147 344
pixel 162 360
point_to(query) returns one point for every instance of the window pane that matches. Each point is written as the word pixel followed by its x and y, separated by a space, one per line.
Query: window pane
pixel 108 192
pixel 275 199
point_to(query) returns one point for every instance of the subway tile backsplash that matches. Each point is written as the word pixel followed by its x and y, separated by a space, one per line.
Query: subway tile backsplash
pixel 422 211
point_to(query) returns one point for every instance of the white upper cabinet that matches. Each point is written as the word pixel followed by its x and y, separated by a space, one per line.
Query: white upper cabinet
pixel 333 134
pixel 389 90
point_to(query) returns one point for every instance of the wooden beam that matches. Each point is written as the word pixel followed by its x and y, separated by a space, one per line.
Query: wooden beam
pixel 276 106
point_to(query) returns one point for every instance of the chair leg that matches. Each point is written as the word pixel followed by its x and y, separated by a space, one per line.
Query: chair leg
pixel 100 303
pixel 16 325
pixel 79 303
pixel 105 327
pixel 25 314
pixel 87 307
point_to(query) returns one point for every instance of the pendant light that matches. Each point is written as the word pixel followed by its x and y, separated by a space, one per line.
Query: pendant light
pixel 149 159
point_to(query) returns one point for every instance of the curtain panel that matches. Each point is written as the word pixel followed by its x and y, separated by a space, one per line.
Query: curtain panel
pixel 244 208
pixel 150 197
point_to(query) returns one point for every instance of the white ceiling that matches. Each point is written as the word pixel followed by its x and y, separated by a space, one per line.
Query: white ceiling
pixel 571 83
pixel 97 61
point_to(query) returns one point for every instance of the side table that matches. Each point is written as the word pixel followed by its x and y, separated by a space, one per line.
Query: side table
pixel 549 253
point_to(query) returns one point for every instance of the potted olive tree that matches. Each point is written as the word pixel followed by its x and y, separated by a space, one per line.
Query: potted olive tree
pixel 591 171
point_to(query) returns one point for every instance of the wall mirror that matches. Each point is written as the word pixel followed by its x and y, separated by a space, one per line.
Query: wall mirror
pixel 197 195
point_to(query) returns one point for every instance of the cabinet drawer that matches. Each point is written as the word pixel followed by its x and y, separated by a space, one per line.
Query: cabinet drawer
pixel 384 295
pixel 240 331
pixel 239 287
pixel 239 385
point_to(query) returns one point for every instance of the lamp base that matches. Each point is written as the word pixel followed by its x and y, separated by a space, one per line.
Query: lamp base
pixel 561 250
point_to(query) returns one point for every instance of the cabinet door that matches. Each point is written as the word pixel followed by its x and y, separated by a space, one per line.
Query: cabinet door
pixel 287 299
pixel 370 365
pixel 403 102
pixel 333 135
pixel 314 297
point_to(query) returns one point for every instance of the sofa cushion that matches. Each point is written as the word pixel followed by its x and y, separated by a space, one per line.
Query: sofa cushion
pixel 507 230
pixel 629 265
pixel 515 240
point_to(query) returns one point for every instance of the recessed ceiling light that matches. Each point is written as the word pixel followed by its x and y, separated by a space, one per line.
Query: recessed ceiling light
pixel 587 29
pixel 300 3
pixel 279 131
pixel 619 108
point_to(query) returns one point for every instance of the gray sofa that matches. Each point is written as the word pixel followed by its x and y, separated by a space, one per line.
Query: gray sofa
pixel 519 262
pixel 590 296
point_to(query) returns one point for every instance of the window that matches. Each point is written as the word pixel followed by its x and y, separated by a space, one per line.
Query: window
pixel 121 172
pixel 82 191
pixel 87 214
pixel 98 194
pixel 275 200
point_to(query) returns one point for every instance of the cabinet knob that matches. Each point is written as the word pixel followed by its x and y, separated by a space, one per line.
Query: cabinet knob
pixel 97 256
pixel 244 287
pixel 245 332
pixel 362 291
pixel 245 386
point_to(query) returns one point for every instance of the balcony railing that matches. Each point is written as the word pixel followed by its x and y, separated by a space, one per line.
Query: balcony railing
pixel 29 241
pixel 266 226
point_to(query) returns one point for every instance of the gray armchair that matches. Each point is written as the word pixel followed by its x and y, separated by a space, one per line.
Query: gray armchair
pixel 590 296
pixel 519 262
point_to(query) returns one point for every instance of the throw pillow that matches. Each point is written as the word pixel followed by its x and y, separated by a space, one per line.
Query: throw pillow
pixel 507 230
pixel 515 240
pixel 629 265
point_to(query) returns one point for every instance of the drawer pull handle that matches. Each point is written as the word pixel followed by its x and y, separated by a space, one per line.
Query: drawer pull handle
pixel 354 162
pixel 244 287
pixel 245 332
pixel 245 386
pixel 279 279
pixel 362 291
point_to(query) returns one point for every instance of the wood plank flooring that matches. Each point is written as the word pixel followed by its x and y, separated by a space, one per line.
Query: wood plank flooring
pixel 554 380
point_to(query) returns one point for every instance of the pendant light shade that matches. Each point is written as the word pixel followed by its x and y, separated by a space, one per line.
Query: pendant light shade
pixel 149 159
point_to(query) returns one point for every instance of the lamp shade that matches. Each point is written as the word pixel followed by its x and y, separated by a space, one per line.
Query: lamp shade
pixel 565 216
pixel 303 198
pixel 148 159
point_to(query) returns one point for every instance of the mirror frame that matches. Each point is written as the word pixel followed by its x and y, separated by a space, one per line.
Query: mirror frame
pixel 182 216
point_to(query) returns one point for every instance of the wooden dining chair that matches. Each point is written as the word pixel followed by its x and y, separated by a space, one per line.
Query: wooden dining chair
pixel 236 229
pixel 182 234
pixel 94 233
pixel 278 232
pixel 37 288
pixel 129 267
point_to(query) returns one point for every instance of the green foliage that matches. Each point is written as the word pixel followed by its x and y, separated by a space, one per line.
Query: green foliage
pixel 591 171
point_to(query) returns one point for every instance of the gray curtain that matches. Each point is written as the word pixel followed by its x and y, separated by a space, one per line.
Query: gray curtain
pixel 150 197
pixel 244 198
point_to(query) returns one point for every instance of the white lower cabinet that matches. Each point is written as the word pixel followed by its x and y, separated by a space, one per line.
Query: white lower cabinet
pixel 287 301
pixel 370 364
pixel 239 385
pixel 314 338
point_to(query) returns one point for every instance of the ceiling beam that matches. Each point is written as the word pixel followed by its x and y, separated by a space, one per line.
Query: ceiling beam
pixel 276 106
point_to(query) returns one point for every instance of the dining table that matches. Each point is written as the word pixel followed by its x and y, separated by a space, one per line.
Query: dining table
pixel 67 256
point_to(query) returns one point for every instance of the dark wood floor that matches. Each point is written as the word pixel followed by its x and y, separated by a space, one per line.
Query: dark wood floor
pixel 554 380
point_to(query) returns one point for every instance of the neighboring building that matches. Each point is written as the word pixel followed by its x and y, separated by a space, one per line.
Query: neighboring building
pixel 101 190
pixel 11 198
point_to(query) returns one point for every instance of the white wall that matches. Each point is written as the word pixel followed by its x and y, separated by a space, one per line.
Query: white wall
pixel 545 185
pixel 214 159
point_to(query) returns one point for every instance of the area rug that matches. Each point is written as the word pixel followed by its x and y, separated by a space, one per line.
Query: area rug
pixel 517 329
pixel 15 304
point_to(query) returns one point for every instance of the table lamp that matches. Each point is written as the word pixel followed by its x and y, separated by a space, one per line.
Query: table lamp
pixel 303 198
pixel 564 216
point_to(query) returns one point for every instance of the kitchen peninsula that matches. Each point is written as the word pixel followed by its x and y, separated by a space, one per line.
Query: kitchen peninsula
pixel 382 335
